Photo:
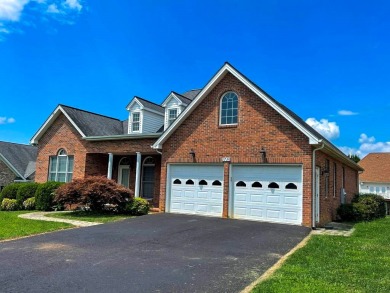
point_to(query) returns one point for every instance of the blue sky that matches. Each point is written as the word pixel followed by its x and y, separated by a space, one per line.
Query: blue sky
pixel 328 61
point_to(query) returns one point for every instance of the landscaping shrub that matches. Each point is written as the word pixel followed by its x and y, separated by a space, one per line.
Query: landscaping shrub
pixel 10 191
pixel 95 193
pixel 44 195
pixel 25 191
pixel 364 207
pixel 9 204
pixel 137 206
pixel 29 204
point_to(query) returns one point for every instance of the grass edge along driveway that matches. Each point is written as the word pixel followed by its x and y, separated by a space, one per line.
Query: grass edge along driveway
pixel 11 226
pixel 88 216
pixel 359 263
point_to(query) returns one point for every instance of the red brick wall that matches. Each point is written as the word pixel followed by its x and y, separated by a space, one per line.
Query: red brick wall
pixel 91 158
pixel 330 201
pixel 259 126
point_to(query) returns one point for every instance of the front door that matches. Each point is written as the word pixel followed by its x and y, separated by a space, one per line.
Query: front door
pixel 124 175
pixel 317 200
pixel 148 182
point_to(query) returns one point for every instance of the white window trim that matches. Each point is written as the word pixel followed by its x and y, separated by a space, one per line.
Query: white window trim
pixel 178 111
pixel 66 169
pixel 139 122
pixel 169 112
pixel 220 109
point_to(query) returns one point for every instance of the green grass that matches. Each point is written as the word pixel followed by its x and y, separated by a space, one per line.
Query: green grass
pixel 360 263
pixel 12 227
pixel 90 216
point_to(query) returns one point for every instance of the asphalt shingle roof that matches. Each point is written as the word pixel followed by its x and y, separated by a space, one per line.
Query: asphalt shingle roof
pixel 151 105
pixel 191 94
pixel 182 98
pixel 22 157
pixel 376 168
pixel 92 124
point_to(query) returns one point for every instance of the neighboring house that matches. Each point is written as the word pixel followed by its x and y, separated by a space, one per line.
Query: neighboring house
pixel 376 175
pixel 17 163
pixel 227 150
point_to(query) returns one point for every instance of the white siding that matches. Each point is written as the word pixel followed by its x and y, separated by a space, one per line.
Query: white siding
pixel 152 121
pixel 382 189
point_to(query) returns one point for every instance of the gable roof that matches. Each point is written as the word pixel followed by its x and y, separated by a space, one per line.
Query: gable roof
pixel 181 99
pixel 86 123
pixel 376 168
pixel 191 94
pixel 20 158
pixel 314 137
pixel 146 104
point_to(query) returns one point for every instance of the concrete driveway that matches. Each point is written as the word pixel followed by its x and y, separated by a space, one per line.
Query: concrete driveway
pixel 154 253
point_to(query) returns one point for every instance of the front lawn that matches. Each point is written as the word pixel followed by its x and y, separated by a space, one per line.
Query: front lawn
pixel 360 263
pixel 12 227
pixel 90 216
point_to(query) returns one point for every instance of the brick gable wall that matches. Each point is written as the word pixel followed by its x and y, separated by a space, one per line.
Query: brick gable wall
pixel 258 126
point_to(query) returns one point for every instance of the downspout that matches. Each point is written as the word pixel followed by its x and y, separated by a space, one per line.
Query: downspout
pixel 313 192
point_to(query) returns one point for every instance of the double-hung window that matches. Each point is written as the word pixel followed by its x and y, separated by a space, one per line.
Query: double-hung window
pixel 135 122
pixel 172 115
pixel 61 167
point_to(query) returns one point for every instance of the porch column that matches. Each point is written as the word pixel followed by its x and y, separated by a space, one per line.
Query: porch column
pixel 137 175
pixel 110 160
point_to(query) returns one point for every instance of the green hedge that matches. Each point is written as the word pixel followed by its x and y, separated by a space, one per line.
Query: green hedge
pixel 9 204
pixel 10 191
pixel 364 207
pixel 137 207
pixel 44 195
pixel 25 191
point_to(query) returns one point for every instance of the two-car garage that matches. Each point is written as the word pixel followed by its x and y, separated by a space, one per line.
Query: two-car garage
pixel 257 192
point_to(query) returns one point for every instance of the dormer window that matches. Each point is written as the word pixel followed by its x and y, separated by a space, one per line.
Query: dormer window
pixel 135 122
pixel 172 115
pixel 229 109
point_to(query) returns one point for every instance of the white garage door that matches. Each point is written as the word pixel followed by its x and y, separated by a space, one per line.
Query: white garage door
pixel 196 189
pixel 267 193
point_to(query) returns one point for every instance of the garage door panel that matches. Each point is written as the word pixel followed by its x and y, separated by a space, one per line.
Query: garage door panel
pixel 258 201
pixel 204 196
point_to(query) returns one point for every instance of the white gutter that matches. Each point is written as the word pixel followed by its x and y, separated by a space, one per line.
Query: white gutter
pixel 121 137
pixel 313 189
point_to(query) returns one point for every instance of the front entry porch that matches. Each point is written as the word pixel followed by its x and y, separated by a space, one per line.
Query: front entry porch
pixel 139 172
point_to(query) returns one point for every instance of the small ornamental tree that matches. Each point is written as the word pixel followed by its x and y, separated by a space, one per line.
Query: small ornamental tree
pixel 94 192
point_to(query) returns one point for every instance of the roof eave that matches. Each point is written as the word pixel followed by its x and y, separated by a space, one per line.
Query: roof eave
pixel 339 154
pixel 9 165
pixel 121 137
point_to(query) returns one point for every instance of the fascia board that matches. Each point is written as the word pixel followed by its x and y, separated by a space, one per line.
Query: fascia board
pixel 49 121
pixel 9 165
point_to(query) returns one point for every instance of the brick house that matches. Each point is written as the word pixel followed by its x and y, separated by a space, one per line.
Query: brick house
pixel 226 150
pixel 376 175
pixel 17 163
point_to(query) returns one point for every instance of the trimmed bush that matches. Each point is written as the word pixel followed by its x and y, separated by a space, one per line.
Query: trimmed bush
pixel 9 204
pixel 29 204
pixel 25 191
pixel 44 195
pixel 137 207
pixel 364 207
pixel 95 193
pixel 10 191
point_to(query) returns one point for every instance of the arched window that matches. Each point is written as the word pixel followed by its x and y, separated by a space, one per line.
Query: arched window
pixel 61 167
pixel 291 186
pixel 202 182
pixel 189 182
pixel 217 183
pixel 241 184
pixel 177 181
pixel 257 184
pixel 229 109
pixel 273 185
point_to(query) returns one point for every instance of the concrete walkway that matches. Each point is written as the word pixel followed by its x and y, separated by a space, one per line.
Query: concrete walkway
pixel 335 229
pixel 41 216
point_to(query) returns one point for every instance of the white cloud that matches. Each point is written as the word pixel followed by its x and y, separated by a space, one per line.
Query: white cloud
pixel 10 10
pixel 346 113
pixel 52 8
pixel 367 145
pixel 5 120
pixel 328 129
pixel 73 4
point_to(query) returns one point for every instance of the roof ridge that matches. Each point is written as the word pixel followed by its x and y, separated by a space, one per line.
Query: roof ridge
pixel 89 112
pixel 148 101
pixel 21 144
